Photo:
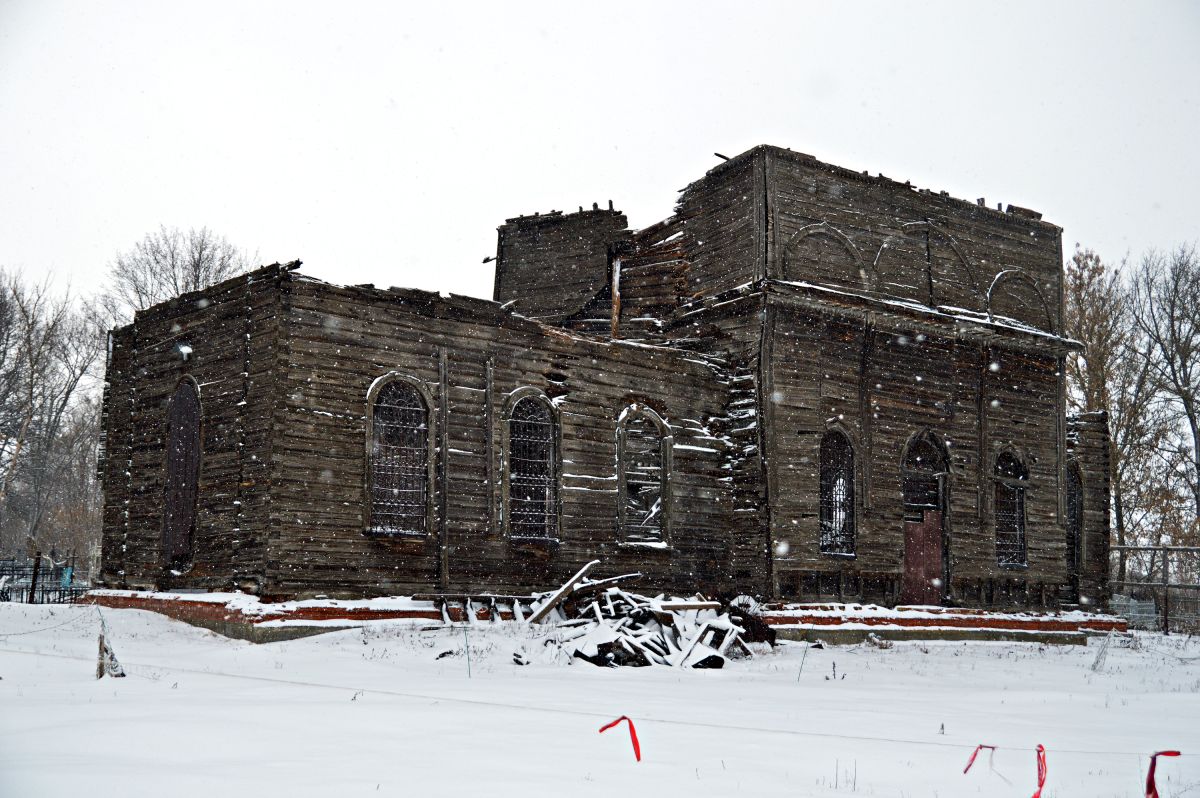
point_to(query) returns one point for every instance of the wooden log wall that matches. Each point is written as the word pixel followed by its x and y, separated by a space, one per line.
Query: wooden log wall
pixel 1088 445
pixel 228 334
pixel 784 298
pixel 915 244
pixel 341 339
pixel 551 265
pixel 723 218
pixel 882 379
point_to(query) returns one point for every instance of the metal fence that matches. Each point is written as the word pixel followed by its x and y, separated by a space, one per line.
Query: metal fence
pixel 41 580
pixel 1160 589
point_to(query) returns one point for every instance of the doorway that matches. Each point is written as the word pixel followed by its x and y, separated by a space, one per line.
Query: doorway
pixel 923 471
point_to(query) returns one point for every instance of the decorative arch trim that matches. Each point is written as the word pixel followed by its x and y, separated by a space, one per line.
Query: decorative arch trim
pixel 926 435
pixel 930 287
pixel 1020 276
pixel 866 271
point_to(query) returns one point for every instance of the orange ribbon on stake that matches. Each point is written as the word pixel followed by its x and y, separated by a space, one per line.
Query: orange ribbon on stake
pixel 1151 788
pixel 1041 765
pixel 637 749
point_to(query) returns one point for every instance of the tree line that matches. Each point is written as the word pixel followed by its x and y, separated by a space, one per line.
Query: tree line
pixel 53 351
pixel 1140 324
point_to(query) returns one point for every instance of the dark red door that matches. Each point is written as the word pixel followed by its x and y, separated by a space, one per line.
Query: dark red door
pixel 923 560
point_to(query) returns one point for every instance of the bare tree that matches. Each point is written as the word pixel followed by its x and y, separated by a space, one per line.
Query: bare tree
pixel 47 352
pixel 165 264
pixel 1112 373
pixel 1166 307
pixel 1096 312
pixel 38 322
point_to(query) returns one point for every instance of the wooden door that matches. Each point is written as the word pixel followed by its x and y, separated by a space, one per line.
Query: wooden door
pixel 923 560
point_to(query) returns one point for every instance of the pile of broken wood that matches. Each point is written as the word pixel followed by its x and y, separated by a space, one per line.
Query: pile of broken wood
pixel 608 626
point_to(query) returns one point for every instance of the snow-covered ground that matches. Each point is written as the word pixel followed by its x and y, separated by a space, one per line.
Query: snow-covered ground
pixel 391 710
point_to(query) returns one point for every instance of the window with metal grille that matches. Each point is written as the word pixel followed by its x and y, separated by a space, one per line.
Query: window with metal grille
pixel 1009 509
pixel 532 475
pixel 181 487
pixel 398 473
pixel 1074 520
pixel 643 474
pixel 837 494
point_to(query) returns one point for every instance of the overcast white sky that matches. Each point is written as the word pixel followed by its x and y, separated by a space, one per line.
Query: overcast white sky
pixel 385 143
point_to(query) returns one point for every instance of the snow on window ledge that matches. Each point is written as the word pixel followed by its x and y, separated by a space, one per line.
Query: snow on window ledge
pixel 395 533
pixel 645 544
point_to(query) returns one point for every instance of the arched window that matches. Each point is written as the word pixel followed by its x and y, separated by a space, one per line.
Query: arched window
pixel 837 494
pixel 532 471
pixel 923 464
pixel 644 449
pixel 182 483
pixel 1009 509
pixel 1074 523
pixel 398 461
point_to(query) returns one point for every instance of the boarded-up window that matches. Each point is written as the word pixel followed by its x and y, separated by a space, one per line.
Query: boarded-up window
pixel 398 469
pixel 182 483
pixel 532 475
pixel 1074 522
pixel 1011 478
pixel 837 494
pixel 643 473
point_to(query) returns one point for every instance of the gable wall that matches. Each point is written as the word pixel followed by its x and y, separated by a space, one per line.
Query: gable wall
pixel 886 223
pixel 231 329
pixel 882 380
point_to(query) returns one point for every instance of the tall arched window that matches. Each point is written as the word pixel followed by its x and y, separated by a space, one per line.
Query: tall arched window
pixel 182 483
pixel 837 494
pixel 1074 523
pixel 532 470
pixel 398 461
pixel 644 449
pixel 1009 508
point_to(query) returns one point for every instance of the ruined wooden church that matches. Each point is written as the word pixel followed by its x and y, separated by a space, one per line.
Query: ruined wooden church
pixel 808 383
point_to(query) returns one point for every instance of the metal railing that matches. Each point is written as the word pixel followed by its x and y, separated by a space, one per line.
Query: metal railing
pixel 41 580
pixel 1161 588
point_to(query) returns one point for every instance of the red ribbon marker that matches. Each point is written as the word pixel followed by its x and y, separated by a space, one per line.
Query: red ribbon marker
pixel 1151 789
pixel 637 749
pixel 1041 762
pixel 975 753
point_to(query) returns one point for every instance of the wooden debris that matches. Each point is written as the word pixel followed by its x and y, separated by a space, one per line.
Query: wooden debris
pixel 608 626
pixel 556 598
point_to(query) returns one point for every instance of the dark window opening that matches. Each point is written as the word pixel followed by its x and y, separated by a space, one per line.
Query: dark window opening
pixel 1009 509
pixel 837 494
pixel 181 487
pixel 1074 523
pixel 399 461
pixel 643 473
pixel 923 464
pixel 532 477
